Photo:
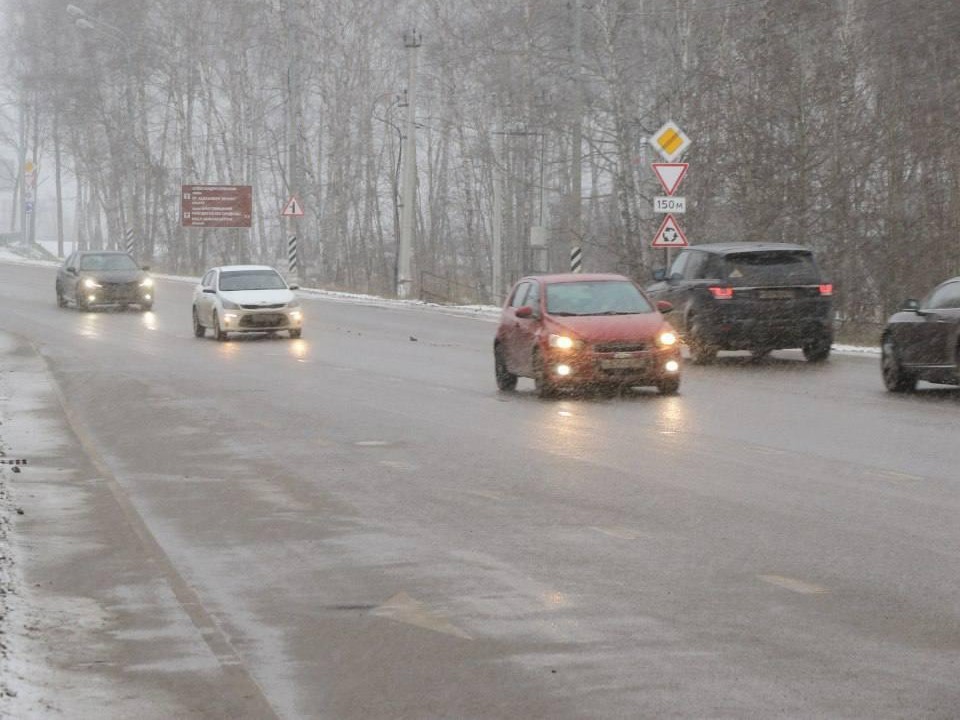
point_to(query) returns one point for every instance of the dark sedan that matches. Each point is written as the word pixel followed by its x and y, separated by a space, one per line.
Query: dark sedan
pixel 922 340
pixel 90 278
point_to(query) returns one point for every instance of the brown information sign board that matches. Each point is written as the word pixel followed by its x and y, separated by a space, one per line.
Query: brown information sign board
pixel 216 206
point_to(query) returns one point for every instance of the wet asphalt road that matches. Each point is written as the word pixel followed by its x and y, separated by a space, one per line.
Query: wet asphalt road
pixel 356 525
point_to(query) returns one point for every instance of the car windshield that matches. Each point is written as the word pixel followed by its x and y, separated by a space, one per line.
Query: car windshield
pixel 600 297
pixel 773 267
pixel 107 262
pixel 251 280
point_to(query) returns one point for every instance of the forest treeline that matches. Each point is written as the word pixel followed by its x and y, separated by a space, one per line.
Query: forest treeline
pixel 831 123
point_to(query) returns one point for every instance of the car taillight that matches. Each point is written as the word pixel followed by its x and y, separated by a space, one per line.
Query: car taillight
pixel 826 289
pixel 721 293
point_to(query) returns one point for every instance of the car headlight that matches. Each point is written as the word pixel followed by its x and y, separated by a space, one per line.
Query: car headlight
pixel 667 338
pixel 293 304
pixel 147 283
pixel 90 283
pixel 227 305
pixel 562 342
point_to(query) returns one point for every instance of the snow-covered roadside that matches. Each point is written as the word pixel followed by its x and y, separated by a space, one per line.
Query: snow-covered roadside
pixel 7 584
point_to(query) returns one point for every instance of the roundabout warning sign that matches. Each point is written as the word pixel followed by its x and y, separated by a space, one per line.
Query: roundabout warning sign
pixel 669 235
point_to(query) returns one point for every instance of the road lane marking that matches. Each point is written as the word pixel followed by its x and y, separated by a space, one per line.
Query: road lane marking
pixel 794 585
pixel 398 465
pixel 898 476
pixel 405 609
pixel 763 450
pixel 620 533
pixel 485 495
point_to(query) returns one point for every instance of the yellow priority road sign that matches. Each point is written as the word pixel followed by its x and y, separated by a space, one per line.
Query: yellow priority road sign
pixel 670 141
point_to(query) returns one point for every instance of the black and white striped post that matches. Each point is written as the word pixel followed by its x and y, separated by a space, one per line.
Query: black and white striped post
pixel 576 259
pixel 292 255
pixel 128 238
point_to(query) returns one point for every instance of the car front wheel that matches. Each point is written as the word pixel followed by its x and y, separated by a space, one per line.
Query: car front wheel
pixel 541 378
pixel 198 329
pixel 218 332
pixel 895 378
pixel 668 386
pixel 506 380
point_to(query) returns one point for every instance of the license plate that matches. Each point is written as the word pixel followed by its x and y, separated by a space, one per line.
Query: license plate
pixel 265 320
pixel 775 294
pixel 622 363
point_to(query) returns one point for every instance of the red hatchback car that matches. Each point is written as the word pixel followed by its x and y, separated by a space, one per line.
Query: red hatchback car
pixel 576 330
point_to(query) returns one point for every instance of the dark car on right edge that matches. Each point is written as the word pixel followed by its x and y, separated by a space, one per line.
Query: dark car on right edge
pixel 748 296
pixel 922 340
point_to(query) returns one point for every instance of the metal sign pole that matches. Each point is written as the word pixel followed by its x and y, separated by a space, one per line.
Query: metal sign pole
pixel 292 257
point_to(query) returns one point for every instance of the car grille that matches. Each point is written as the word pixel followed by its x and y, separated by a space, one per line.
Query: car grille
pixel 119 290
pixel 263 307
pixel 623 346
pixel 263 320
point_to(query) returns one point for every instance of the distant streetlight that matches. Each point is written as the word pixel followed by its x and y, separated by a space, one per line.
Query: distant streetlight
pixel 83 21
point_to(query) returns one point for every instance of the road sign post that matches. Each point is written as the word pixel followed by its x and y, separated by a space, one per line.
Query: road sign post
pixel 670 142
pixel 293 208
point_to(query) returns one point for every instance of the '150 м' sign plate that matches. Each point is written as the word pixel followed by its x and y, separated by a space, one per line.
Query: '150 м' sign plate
pixel 670 204
pixel 216 206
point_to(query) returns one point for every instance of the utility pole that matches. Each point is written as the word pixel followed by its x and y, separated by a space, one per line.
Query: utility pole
pixel 576 251
pixel 412 41
pixel 497 283
pixel 294 113
pixel 22 170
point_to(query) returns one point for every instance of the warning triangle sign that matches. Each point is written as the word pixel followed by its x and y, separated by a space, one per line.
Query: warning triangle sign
pixel 669 235
pixel 293 208
pixel 670 175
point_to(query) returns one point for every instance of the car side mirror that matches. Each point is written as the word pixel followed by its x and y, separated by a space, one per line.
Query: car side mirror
pixel 210 290
pixel 294 287
pixel 524 312
pixel 911 305
pixel 72 270
pixel 660 275
pixel 664 306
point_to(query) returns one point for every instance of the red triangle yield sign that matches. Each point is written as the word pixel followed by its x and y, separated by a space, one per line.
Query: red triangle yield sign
pixel 670 175
pixel 669 235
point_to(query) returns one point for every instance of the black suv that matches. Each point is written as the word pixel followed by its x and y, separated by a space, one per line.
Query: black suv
pixel 748 296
